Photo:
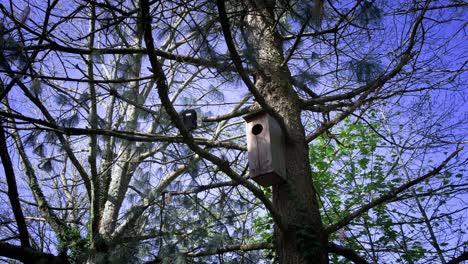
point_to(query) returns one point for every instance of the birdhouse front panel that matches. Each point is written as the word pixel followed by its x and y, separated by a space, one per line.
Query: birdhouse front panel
pixel 258 147
pixel 265 149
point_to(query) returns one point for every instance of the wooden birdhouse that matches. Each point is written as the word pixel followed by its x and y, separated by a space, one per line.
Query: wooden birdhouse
pixel 265 147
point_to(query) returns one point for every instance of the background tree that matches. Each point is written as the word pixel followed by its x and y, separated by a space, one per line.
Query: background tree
pixel 99 168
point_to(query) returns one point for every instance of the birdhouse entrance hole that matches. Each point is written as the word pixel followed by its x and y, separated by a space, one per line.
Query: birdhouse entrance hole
pixel 257 129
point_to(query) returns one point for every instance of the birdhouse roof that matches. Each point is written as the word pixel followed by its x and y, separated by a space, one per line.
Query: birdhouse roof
pixel 253 115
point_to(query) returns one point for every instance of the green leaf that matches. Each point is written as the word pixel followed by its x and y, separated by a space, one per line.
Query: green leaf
pixel 363 162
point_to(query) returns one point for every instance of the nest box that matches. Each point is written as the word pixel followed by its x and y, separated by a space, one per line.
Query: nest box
pixel 189 118
pixel 265 147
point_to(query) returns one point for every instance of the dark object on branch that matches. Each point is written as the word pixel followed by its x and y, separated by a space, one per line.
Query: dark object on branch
pixel 189 118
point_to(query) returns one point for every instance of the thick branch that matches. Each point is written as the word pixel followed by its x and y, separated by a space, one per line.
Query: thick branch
pixel 348 253
pixel 95 181
pixel 225 249
pixel 231 248
pixel 28 255
pixel 127 135
pixel 459 259
pixel 53 220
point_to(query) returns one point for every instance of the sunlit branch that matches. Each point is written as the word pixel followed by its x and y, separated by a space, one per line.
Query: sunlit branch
pixel 57 224
pixel 96 183
pixel 231 248
pixel 225 249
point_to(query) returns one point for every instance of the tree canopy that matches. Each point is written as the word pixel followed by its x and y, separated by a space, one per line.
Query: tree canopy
pixel 98 166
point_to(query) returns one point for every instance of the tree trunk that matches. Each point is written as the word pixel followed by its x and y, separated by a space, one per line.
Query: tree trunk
pixel 295 200
pixel 114 185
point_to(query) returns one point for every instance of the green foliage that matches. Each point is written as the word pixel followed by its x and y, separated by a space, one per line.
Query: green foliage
pixel 351 167
pixel 348 170
pixel 72 240
pixel 263 228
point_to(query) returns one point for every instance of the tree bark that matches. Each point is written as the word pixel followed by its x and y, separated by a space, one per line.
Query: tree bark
pixel 303 240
